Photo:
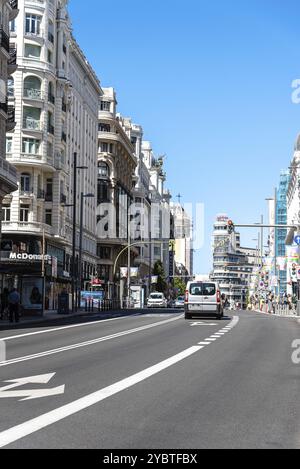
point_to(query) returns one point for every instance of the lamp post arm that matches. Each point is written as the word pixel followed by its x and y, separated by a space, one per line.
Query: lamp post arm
pixel 137 243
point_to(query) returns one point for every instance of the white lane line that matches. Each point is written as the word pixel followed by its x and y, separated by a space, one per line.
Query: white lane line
pixel 20 336
pixel 210 340
pixel 87 343
pixel 31 426
pixel 204 343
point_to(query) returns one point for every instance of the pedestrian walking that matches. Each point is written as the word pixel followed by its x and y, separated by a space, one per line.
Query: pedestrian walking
pixel 4 303
pixel 14 304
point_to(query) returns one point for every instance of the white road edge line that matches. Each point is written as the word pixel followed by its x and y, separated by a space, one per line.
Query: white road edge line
pixel 31 426
pixel 87 343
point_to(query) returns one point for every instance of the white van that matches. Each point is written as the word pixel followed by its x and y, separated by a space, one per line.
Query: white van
pixel 203 299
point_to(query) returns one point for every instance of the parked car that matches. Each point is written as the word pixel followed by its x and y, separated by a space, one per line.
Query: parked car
pixel 179 302
pixel 203 299
pixel 157 300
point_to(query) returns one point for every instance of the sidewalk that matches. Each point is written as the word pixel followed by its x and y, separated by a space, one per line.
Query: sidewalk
pixel 53 316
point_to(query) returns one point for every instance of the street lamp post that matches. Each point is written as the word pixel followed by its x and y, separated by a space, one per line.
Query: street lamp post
pixel 82 196
pixel 74 277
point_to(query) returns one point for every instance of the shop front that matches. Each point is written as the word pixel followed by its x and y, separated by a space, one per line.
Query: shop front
pixel 39 278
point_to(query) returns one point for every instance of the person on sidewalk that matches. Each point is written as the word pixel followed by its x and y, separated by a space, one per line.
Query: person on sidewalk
pixel 14 302
pixel 4 303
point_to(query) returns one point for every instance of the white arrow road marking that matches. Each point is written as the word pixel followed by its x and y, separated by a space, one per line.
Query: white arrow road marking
pixel 29 394
pixel 202 324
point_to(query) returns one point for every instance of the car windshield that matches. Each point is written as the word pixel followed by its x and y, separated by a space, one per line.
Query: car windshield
pixel 200 289
pixel 180 298
pixel 156 296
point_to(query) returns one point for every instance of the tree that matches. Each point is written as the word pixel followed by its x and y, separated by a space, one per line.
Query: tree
pixel 158 270
pixel 180 286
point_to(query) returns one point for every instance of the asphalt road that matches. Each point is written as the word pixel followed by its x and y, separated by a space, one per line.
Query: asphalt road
pixel 152 380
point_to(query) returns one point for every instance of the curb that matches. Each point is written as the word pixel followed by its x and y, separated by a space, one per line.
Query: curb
pixel 289 316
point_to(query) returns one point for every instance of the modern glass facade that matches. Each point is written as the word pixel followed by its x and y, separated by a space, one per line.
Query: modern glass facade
pixel 281 219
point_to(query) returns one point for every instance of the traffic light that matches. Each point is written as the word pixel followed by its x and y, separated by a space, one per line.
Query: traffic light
pixel 230 227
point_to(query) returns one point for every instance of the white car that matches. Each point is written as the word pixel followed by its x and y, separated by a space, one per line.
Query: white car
pixel 157 300
pixel 203 299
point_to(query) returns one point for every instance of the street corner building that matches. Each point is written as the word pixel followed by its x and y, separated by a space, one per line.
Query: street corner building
pixel 66 155
pixel 53 94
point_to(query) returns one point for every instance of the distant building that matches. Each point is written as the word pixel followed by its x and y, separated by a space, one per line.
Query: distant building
pixel 232 264
pixel 281 219
pixel 8 174
pixel 183 247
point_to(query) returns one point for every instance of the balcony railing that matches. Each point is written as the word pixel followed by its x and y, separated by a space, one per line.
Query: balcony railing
pixel 13 4
pixel 32 93
pixel 26 193
pixel 4 40
pixel 13 56
pixel 31 124
pixel 48 197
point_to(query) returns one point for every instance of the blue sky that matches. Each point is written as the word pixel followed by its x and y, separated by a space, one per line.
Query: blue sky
pixel 210 82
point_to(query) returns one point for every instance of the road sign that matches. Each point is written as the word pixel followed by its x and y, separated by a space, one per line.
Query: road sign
pixel 297 239
pixel 28 394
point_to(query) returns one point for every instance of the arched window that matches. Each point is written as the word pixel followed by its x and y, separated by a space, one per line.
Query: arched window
pixel 32 87
pixel 103 170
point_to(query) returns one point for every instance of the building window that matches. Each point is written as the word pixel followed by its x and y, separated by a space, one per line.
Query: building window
pixel 51 32
pixel 32 87
pixel 50 149
pixel 50 57
pixel 104 127
pixel 32 118
pixel 105 106
pixel 10 87
pixel 9 144
pixel 103 169
pixel 48 217
pixel 5 212
pixel 31 146
pixel 50 123
pixel 104 147
pixel 32 51
pixel 49 190
pixel 25 182
pixel 24 213
pixel 104 252
pixel 103 192
pixel 12 26
pixel 33 24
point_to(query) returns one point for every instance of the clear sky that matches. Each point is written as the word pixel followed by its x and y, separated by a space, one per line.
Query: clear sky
pixel 210 82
